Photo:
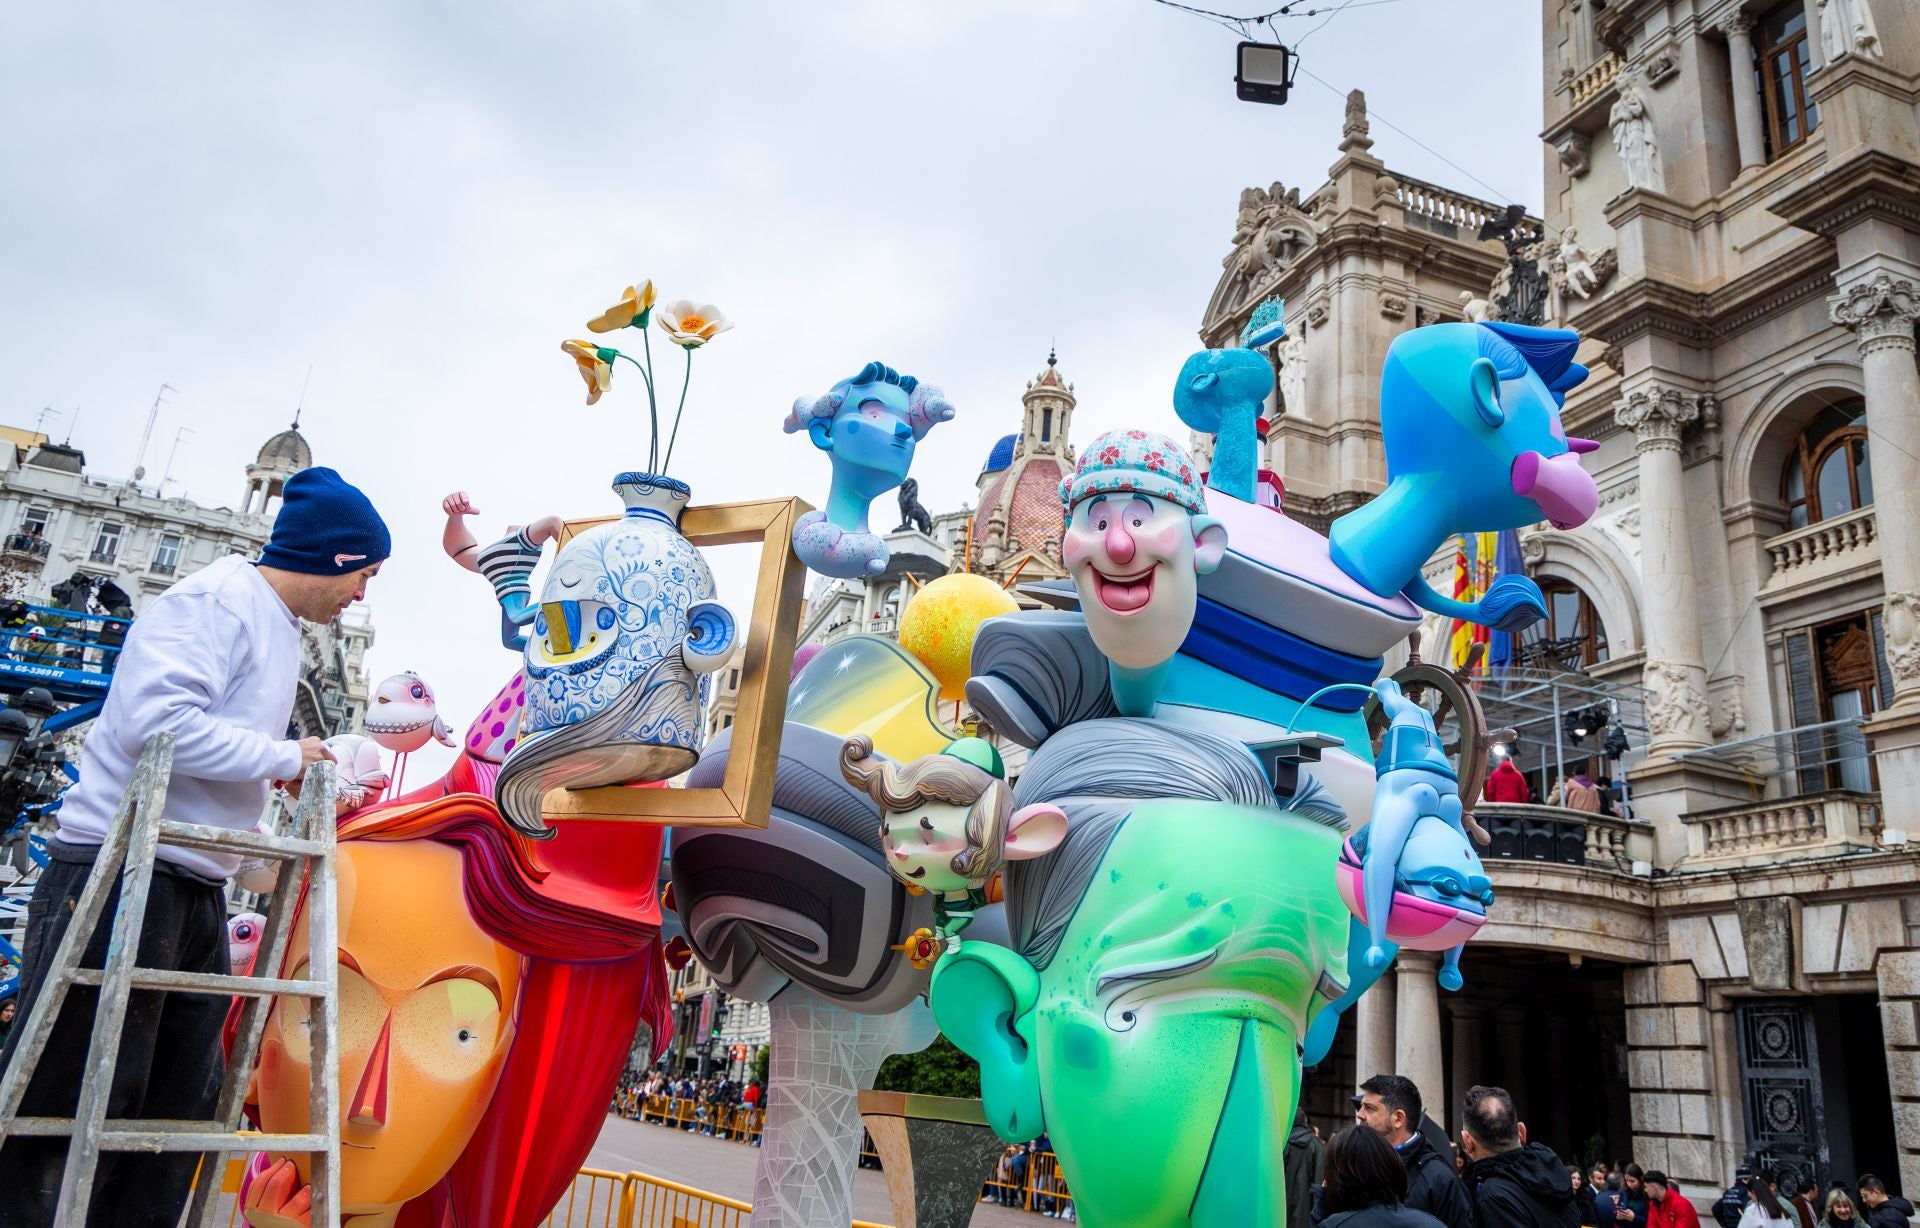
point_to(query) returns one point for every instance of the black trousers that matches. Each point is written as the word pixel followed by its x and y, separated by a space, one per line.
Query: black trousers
pixel 170 1062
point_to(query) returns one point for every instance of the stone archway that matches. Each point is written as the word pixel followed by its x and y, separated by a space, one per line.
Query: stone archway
pixel 1595 565
pixel 1766 436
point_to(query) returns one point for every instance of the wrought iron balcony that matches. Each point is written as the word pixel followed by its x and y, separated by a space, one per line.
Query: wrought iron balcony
pixel 30 544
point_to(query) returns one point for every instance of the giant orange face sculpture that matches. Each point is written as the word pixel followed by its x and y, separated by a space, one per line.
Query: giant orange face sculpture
pixel 426 1021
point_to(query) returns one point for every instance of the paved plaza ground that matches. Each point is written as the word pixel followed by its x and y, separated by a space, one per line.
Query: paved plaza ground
pixel 723 1167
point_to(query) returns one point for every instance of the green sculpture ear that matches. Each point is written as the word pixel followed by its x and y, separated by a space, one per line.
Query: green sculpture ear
pixel 982 997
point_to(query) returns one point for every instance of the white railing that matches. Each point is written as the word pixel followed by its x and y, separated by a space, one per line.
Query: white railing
pixel 1847 539
pixel 1439 204
pixel 1791 824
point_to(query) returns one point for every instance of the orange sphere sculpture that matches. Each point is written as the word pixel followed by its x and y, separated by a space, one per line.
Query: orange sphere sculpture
pixel 938 624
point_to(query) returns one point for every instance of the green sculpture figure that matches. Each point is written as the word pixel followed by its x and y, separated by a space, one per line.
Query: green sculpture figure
pixel 1171 953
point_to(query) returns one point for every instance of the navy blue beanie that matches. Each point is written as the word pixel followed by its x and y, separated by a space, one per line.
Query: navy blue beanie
pixel 325 527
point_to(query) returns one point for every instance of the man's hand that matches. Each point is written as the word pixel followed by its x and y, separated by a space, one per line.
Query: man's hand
pixel 279 1199
pixel 312 751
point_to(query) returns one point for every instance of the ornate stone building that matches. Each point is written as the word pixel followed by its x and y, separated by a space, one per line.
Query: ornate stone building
pixel 1731 964
pixel 76 540
pixel 1016 527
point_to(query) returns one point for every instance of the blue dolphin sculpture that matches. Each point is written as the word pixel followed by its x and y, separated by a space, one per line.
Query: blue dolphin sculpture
pixel 1470 415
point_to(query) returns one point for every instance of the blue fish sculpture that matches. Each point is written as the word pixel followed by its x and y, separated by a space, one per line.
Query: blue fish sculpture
pixel 1470 415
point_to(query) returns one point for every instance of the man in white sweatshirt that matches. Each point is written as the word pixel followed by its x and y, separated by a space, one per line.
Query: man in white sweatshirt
pixel 213 660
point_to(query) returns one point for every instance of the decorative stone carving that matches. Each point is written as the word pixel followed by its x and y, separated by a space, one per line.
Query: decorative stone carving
pixel 1353 135
pixel 1729 716
pixel 1628 523
pixel 1270 232
pixel 1662 64
pixel 1847 28
pixel 1576 264
pixel 1575 149
pixel 1317 311
pixel 1675 706
pixel 1613 358
pixel 1633 136
pixel 1293 374
pixel 1657 416
pixel 1533 549
pixel 1474 308
pixel 1881 311
pixel 1393 306
pixel 1901 625
pixel 1385 188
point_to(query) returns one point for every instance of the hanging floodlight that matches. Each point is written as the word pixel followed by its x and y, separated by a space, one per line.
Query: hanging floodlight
pixel 1264 73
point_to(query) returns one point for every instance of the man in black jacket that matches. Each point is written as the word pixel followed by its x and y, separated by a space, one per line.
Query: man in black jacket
pixel 1305 1163
pixel 1514 1184
pixel 1389 1105
pixel 1883 1211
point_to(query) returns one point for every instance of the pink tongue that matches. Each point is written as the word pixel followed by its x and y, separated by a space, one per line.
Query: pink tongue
pixel 1126 598
pixel 1564 492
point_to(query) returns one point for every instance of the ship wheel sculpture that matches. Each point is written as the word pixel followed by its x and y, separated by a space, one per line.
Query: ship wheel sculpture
pixel 1448 693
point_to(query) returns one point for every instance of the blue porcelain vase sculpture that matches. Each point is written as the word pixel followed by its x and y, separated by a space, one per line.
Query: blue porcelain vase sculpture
pixel 626 630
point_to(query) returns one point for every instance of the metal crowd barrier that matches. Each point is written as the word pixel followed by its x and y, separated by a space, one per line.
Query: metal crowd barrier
pixel 599 1198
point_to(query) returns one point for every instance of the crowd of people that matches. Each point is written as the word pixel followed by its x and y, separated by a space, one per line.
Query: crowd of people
pixel 1396 1168
pixel 718 1107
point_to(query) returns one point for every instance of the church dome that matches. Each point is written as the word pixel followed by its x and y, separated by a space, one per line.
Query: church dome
pixel 288 450
pixel 1002 454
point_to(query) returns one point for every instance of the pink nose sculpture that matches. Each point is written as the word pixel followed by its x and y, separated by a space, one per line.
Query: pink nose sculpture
pixel 1119 544
pixel 1564 491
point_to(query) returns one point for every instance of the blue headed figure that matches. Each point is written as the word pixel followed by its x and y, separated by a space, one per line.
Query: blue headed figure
pixel 1470 415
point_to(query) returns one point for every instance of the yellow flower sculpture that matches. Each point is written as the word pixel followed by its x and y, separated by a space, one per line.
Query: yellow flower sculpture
pixel 635 305
pixel 691 325
pixel 597 371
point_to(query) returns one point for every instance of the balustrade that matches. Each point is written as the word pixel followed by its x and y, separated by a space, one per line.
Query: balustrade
pixel 1808 822
pixel 1589 84
pixel 1835 542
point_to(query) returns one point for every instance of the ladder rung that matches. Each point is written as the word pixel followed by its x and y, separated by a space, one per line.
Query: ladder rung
pixel 207 982
pixel 133 1134
pixel 223 840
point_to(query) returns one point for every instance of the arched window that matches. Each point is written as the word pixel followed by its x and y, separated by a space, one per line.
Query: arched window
pixel 1570 637
pixel 1827 473
pixel 1046 425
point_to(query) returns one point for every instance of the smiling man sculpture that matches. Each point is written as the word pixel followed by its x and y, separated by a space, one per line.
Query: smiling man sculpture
pixel 1137 538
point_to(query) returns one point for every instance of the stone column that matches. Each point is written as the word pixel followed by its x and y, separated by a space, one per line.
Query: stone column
pixel 1510 1035
pixel 1373 1047
pixel 1468 1018
pixel 1881 309
pixel 1675 673
pixel 1417 1027
pixel 1899 975
pixel 1748 124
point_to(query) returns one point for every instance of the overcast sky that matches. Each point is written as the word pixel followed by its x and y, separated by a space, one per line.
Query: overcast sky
pixel 422 200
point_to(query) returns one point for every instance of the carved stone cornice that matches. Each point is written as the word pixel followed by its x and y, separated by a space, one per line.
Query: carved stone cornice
pixel 1881 311
pixel 1734 22
pixel 1658 415
pixel 1868 185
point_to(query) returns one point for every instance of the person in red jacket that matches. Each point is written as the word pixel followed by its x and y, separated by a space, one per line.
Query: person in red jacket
pixel 1670 1208
pixel 1507 784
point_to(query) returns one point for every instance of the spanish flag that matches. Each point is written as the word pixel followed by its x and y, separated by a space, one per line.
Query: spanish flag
pixel 1473 573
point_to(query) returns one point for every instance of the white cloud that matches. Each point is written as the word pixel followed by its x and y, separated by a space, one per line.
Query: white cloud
pixel 422 201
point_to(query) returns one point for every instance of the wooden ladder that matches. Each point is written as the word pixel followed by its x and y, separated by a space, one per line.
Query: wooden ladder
pixel 129 851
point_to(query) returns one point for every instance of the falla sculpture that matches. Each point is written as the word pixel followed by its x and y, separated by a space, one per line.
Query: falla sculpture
pixel 1211 912
pixel 627 626
pixel 868 425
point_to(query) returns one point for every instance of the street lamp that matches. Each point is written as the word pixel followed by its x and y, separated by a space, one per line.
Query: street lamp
pixel 1265 73
pixel 15 728
pixel 37 703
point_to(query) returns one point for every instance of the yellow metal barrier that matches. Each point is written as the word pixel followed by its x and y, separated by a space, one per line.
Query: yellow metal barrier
pixel 598 1198
pixel 602 1199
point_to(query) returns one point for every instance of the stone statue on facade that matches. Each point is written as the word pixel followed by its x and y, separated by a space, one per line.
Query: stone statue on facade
pixel 1271 229
pixel 1473 308
pixel 912 514
pixel 1575 264
pixel 1293 374
pixel 1633 135
pixel 1846 28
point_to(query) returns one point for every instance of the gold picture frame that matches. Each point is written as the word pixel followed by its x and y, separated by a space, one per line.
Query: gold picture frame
pixel 745 795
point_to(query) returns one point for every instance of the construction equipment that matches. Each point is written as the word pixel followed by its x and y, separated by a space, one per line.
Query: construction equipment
pixel 129 852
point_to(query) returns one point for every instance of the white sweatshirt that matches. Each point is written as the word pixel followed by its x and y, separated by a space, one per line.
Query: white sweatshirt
pixel 215 660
